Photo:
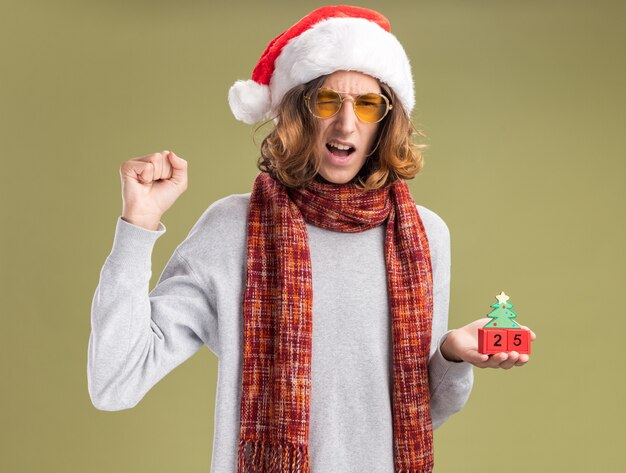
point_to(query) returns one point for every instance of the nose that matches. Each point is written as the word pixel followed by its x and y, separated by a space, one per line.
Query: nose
pixel 345 120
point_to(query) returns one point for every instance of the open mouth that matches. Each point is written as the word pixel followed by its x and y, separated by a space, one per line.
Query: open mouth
pixel 339 150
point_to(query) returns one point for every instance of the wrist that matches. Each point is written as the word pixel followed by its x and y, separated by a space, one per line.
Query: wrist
pixel 447 349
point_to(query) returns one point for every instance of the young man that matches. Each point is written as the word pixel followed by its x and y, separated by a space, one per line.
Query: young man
pixel 324 292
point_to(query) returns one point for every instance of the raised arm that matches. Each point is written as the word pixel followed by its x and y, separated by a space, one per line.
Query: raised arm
pixel 137 337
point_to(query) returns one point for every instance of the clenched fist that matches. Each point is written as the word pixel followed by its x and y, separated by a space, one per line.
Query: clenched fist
pixel 150 185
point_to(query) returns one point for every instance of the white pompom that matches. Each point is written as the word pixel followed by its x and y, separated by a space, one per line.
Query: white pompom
pixel 249 101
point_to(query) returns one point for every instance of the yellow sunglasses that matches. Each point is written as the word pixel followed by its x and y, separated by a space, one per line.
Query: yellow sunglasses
pixel 369 108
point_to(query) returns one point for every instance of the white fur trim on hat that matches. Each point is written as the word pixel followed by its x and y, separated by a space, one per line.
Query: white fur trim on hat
pixel 249 101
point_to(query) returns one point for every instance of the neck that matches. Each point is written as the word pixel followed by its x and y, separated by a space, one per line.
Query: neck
pixel 319 178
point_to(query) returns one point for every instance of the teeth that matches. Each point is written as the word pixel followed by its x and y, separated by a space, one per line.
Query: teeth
pixel 338 146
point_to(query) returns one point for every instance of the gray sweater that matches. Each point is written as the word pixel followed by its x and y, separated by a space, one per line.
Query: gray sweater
pixel 137 336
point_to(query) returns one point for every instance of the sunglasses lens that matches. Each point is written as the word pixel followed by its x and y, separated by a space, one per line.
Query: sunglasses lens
pixel 371 108
pixel 326 103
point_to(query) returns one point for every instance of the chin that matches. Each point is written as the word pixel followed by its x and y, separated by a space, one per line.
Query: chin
pixel 336 177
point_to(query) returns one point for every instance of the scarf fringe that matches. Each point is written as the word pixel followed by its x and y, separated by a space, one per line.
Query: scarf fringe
pixel 263 456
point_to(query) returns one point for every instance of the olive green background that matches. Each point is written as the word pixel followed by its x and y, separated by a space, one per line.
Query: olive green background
pixel 523 106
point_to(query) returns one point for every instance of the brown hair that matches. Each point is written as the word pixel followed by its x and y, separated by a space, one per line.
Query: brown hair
pixel 287 152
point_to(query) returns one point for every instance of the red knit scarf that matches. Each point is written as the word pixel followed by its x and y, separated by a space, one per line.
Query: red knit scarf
pixel 277 319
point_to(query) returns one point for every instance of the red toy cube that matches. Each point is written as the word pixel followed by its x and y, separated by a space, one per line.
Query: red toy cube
pixel 492 340
pixel 519 340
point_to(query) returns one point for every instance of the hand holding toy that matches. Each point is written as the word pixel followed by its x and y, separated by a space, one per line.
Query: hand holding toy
pixel 462 344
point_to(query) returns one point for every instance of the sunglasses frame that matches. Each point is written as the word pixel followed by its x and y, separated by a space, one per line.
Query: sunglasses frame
pixel 307 100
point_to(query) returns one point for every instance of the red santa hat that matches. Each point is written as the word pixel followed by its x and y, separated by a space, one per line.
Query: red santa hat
pixel 328 39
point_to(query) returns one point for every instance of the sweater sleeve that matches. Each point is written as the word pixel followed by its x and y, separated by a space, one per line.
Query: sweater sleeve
pixel 450 381
pixel 137 336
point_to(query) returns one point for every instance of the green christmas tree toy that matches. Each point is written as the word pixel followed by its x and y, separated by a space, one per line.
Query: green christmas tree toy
pixel 503 334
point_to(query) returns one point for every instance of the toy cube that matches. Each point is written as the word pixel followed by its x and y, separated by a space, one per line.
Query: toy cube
pixel 518 340
pixel 491 340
